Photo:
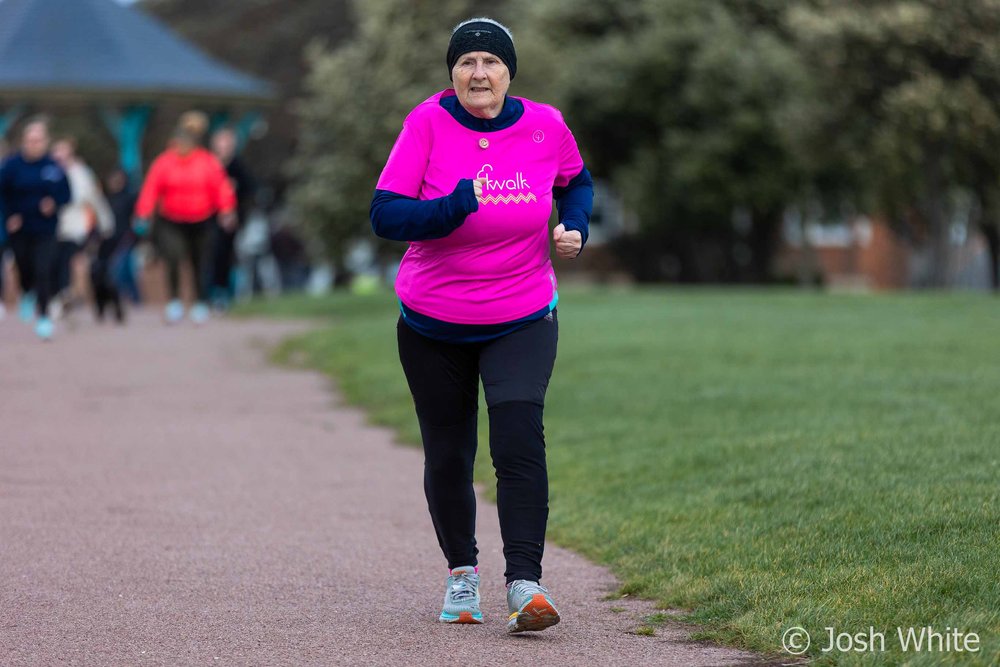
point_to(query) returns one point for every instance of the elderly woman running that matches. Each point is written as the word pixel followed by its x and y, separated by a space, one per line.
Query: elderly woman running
pixel 469 184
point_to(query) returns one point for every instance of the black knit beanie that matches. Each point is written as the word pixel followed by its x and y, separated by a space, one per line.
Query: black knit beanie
pixel 482 35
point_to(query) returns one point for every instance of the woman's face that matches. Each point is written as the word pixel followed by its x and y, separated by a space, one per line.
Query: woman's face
pixel 224 145
pixel 183 144
pixel 35 142
pixel 481 81
pixel 63 152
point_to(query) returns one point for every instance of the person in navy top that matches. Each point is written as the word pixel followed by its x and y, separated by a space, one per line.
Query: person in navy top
pixel 33 187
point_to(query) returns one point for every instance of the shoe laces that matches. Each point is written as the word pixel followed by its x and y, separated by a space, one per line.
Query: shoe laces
pixel 462 586
pixel 523 588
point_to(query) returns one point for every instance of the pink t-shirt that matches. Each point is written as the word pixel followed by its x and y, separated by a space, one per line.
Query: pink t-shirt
pixel 494 267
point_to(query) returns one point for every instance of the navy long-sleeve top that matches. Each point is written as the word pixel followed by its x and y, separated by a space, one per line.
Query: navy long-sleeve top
pixel 401 217
pixel 23 186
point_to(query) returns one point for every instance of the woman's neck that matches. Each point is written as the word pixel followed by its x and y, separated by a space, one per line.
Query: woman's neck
pixel 488 113
pixel 509 114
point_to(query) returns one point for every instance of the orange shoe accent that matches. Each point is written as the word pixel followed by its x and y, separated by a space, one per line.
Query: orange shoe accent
pixel 538 614
pixel 467 617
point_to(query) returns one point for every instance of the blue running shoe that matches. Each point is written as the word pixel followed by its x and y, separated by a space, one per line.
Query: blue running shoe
pixel 461 596
pixel 26 308
pixel 174 312
pixel 199 313
pixel 530 607
pixel 44 328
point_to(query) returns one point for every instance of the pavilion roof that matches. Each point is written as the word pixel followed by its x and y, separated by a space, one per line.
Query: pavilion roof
pixel 102 49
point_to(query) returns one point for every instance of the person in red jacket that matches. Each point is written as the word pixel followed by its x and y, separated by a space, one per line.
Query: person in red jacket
pixel 187 189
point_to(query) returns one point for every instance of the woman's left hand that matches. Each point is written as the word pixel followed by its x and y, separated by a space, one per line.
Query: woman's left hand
pixel 568 243
pixel 227 221
pixel 47 206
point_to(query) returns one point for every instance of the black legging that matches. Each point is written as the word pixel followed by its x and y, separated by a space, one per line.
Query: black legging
pixel 3 251
pixel 35 255
pixel 444 380
pixel 223 256
pixel 177 241
pixel 62 269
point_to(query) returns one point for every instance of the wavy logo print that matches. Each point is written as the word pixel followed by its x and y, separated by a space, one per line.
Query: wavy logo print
pixel 519 198
pixel 492 188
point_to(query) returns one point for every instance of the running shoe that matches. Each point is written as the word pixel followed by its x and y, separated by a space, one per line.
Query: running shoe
pixel 26 308
pixel 174 312
pixel 530 607
pixel 57 308
pixel 44 328
pixel 199 313
pixel 461 596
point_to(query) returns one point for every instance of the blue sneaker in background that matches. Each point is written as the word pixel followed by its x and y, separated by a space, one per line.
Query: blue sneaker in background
pixel 44 328
pixel 174 312
pixel 199 313
pixel 26 308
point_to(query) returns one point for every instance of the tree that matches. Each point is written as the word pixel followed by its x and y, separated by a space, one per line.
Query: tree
pixel 908 92
pixel 680 104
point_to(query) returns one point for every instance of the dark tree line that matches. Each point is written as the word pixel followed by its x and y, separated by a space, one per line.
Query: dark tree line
pixel 711 118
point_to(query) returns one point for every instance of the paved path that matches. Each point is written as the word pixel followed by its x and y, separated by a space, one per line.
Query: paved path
pixel 169 498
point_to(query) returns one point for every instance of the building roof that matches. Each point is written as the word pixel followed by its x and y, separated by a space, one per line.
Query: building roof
pixel 100 48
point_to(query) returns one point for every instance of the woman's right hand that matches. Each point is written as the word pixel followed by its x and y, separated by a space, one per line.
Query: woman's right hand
pixel 477 186
pixel 140 226
pixel 14 223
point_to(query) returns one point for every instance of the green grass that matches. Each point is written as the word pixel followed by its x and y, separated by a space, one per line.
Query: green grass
pixel 761 459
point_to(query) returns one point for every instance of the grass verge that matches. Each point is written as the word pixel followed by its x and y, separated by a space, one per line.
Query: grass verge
pixel 763 459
